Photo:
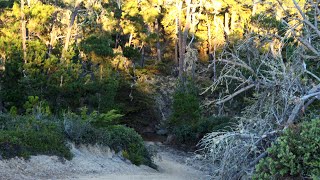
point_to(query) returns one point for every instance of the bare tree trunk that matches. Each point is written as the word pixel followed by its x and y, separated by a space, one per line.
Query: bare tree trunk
pixel 23 32
pixel 158 40
pixel 176 46
pixel 233 20
pixel 142 55
pixel 254 7
pixel 72 19
pixel 130 39
pixel 117 41
pixel 209 36
pixel 180 37
pixel 226 23
pixel 53 34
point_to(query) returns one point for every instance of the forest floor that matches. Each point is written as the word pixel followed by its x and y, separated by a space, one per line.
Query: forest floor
pixel 97 163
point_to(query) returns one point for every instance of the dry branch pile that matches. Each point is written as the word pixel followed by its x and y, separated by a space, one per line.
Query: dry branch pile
pixel 282 90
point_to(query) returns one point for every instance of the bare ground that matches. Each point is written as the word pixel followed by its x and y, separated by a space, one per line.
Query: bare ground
pixel 98 163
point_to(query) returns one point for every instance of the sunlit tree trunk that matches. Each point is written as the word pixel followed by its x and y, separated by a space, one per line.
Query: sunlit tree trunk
pixel 130 39
pixel 226 23
pixel 23 32
pixel 53 34
pixel 68 36
pixel 233 20
pixel 176 45
pixel 254 7
pixel 180 36
pixel 158 40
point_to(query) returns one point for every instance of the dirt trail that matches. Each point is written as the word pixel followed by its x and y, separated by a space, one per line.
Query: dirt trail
pixel 170 167
pixel 97 163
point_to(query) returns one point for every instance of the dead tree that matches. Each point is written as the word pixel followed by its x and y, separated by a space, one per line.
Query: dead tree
pixel 280 96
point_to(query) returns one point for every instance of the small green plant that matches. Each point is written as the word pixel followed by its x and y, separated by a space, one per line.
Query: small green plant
pixel 296 154
pixel 35 106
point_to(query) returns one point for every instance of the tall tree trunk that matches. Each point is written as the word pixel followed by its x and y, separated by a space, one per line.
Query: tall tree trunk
pixel 180 36
pixel 211 56
pixel 158 40
pixel 142 55
pixel 176 45
pixel 53 33
pixel 68 36
pixel 226 23
pixel 130 39
pixel 23 32
pixel 184 41
pixel 254 7
pixel 233 20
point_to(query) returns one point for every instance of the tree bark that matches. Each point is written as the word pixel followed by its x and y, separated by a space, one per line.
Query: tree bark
pixel 226 23
pixel 23 32
pixel 158 40
pixel 142 56
pixel 180 37
pixel 52 34
pixel 233 20
pixel 68 36
pixel 176 46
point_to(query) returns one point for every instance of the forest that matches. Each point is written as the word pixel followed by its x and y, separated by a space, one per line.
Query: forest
pixel 235 81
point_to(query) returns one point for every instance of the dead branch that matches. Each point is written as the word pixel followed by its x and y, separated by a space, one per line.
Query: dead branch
pixel 235 94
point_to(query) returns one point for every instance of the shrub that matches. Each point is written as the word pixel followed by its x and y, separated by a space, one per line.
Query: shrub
pixel 24 136
pixel 99 129
pixel 295 154
pixel 186 113
pixel 121 138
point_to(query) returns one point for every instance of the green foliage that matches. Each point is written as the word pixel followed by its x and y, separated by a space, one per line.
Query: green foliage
pixel 186 114
pixel 35 106
pixel 86 129
pixel 131 53
pixel 121 138
pixel 295 154
pixel 6 3
pixel 24 136
pixel 100 45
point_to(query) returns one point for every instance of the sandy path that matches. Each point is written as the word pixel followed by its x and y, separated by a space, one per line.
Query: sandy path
pixel 96 163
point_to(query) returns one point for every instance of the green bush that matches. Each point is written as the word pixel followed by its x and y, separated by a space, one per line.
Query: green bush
pixel 186 114
pixel 24 136
pixel 131 53
pixel 121 138
pixel 99 129
pixel 296 154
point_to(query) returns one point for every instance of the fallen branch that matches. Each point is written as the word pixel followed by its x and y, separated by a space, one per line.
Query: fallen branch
pixel 235 94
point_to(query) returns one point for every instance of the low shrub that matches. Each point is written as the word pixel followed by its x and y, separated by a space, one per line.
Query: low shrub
pixel 121 138
pixel 296 154
pixel 85 129
pixel 24 136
